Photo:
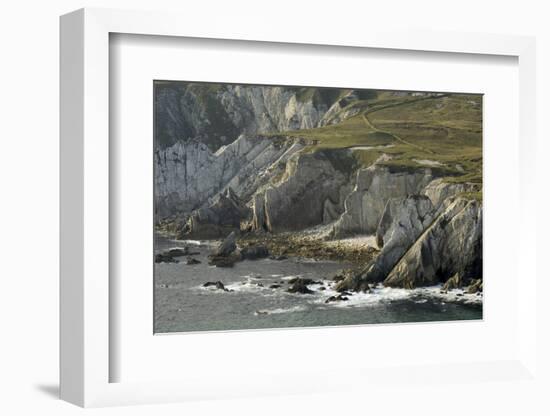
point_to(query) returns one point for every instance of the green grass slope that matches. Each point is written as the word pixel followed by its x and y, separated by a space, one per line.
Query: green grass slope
pixel 441 131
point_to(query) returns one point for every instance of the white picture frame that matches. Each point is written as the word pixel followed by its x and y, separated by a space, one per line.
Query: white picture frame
pixel 85 264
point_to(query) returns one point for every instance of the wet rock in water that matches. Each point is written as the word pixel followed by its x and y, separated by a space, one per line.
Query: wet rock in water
pixel 476 286
pixel 338 298
pixel 339 276
pixel 274 286
pixel 224 261
pixel 261 313
pixel 163 258
pixel 304 280
pixel 454 282
pixel 227 246
pixel 260 284
pixel 353 281
pixel 254 252
pixel 226 255
pixel 300 286
pixel 169 256
pixel 177 252
pixel 218 285
pixel 191 261
pixel 344 293
pixel 322 288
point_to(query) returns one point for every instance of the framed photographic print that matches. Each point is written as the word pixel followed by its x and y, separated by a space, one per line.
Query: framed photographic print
pixel 286 213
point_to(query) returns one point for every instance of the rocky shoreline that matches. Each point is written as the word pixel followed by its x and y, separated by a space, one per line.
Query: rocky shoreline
pixel 307 192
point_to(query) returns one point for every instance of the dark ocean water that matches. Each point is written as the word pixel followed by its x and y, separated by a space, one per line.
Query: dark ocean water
pixel 182 304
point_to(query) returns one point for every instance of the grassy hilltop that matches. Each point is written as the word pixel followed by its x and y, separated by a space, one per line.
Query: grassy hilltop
pixel 442 131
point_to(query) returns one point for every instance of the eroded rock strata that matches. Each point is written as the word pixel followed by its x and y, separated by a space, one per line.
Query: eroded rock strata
pixel 232 162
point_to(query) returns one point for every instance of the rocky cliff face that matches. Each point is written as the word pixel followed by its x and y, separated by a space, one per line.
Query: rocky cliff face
pixel 374 186
pixel 197 149
pixel 451 245
pixel 189 174
pixel 217 114
pixel 217 172
pixel 309 193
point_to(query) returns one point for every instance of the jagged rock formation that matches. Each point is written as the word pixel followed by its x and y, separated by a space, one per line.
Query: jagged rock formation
pixel 188 174
pixel 451 245
pixel 218 219
pixel 403 221
pixel 374 186
pixel 219 172
pixel 438 190
pixel 217 114
pixel 308 194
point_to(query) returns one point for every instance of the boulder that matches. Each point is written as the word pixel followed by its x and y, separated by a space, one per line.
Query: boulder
pixel 300 286
pixel 164 258
pixel 227 246
pixel 338 298
pixel 476 286
pixel 224 261
pixel 218 285
pixel 454 282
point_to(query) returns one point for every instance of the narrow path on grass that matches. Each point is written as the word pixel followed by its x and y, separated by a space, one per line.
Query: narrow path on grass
pixel 370 125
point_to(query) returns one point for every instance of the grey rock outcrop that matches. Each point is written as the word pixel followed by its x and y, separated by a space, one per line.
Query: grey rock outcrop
pixel 451 244
pixel 227 246
pixel 189 174
pixel 374 186
pixel 439 190
pixel 403 221
pixel 217 114
pixel 218 219
pixel 302 197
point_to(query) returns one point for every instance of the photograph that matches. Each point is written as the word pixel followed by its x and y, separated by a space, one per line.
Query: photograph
pixel 306 206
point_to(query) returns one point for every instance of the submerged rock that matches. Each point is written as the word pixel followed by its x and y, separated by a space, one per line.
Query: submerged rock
pixel 224 261
pixel 165 258
pixel 218 285
pixel 338 298
pixel 300 286
pixel 191 261
pixel 169 256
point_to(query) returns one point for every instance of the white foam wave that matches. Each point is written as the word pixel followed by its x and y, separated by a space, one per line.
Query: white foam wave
pixel 298 308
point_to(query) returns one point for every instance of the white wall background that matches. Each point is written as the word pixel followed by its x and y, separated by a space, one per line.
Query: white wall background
pixel 29 184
